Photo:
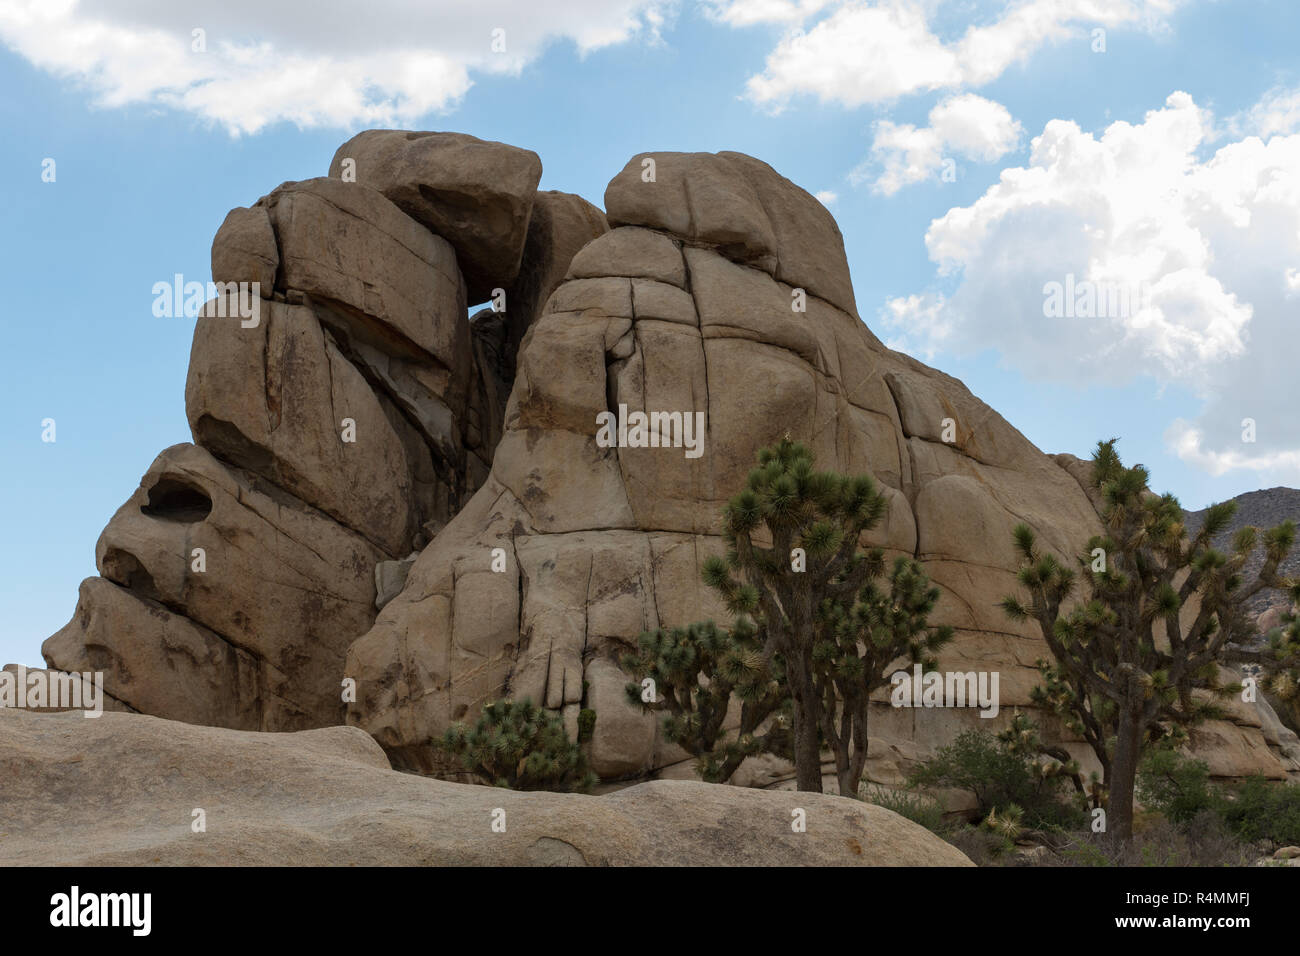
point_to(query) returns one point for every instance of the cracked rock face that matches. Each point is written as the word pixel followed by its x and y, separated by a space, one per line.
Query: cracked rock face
pixel 252 638
pixel 687 306
pixel 335 434
pixel 477 195
pixel 712 293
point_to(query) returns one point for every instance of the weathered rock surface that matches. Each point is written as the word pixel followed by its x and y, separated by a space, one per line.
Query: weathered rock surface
pixel 253 639
pixel 720 303
pixel 561 225
pixel 690 310
pixel 347 243
pixel 275 399
pixel 79 692
pixel 121 789
pixel 742 207
pixel 476 194
pixel 338 431
pixel 245 250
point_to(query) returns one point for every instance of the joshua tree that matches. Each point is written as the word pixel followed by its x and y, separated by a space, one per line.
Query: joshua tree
pixel 855 648
pixel 695 671
pixel 1282 661
pixel 813 634
pixel 1023 739
pixel 812 520
pixel 519 745
pixel 1137 660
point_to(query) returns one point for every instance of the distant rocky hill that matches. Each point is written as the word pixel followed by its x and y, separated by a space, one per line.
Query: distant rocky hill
pixel 1263 509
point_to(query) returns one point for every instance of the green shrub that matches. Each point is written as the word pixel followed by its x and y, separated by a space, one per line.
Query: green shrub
pixel 1262 810
pixel 1256 811
pixel 1176 786
pixel 1000 778
pixel 586 724
pixel 521 746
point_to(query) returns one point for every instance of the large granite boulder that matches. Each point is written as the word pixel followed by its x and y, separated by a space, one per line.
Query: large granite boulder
pixel 122 790
pixel 277 399
pixel 693 308
pixel 336 431
pixel 476 194
pixel 366 443
pixel 222 599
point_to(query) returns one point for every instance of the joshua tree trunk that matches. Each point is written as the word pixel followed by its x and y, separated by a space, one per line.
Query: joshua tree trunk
pixel 1120 786
pixel 848 781
pixel 858 756
pixel 847 733
pixel 807 722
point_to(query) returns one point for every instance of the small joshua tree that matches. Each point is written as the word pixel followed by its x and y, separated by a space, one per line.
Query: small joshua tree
pixel 1023 739
pixel 813 636
pixel 855 648
pixel 1137 660
pixel 693 672
pixel 521 746
pixel 813 520
pixel 1282 661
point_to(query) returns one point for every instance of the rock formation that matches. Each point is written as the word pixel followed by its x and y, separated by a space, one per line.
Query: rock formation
pixel 362 335
pixel 710 286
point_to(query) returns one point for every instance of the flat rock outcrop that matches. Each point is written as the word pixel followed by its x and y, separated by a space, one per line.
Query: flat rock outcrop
pixel 122 790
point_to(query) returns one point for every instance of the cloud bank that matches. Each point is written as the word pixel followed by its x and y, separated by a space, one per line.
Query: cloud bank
pixel 337 63
pixel 1211 237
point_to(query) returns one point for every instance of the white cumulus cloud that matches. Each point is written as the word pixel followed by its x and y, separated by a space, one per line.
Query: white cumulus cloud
pixel 966 125
pixel 1277 112
pixel 324 63
pixel 743 13
pixel 1210 241
pixel 872 52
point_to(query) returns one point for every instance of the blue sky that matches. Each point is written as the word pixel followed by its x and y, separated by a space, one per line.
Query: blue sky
pixel 149 158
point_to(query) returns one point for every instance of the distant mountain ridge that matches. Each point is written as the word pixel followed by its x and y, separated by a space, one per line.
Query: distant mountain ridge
pixel 1263 509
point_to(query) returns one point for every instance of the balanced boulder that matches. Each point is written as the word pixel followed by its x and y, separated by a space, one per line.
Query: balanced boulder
pixel 476 194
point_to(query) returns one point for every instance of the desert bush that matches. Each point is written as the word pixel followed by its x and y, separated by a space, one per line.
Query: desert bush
pixel 1000 778
pixel 1204 840
pixel 520 746
pixel 1176 786
pixel 1264 811
pixel 982 846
